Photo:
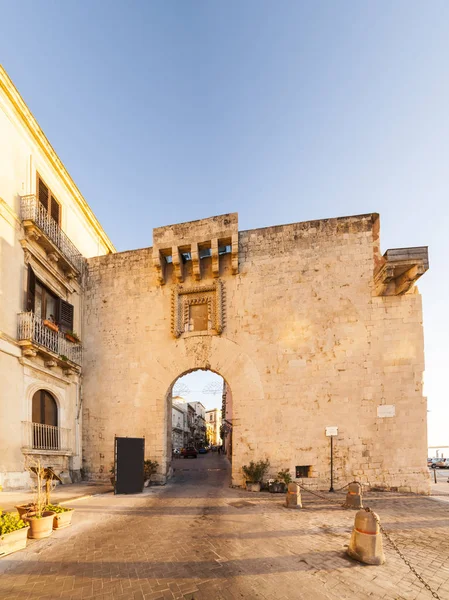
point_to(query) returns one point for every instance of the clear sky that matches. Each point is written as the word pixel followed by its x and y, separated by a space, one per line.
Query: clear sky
pixel 283 111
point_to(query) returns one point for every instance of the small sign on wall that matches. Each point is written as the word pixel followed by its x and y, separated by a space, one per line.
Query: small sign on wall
pixel 331 431
pixel 386 410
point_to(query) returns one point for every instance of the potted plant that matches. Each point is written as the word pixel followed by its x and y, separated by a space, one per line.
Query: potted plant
pixel 149 468
pixel 63 515
pixel 72 337
pixel 51 324
pixel 13 533
pixel 278 486
pixel 39 518
pixel 22 509
pixel 254 473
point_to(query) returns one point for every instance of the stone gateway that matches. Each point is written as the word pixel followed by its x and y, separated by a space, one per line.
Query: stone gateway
pixel 309 325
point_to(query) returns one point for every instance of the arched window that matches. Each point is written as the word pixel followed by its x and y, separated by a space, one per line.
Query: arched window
pixel 45 409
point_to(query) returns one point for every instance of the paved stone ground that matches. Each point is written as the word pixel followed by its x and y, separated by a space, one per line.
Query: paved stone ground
pixel 198 539
pixel 60 495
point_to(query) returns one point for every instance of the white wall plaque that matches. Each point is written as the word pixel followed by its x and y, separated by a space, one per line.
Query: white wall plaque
pixel 386 410
pixel 331 431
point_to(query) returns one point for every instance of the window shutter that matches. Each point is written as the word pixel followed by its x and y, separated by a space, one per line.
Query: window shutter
pixel 42 192
pixel 31 289
pixel 54 210
pixel 65 316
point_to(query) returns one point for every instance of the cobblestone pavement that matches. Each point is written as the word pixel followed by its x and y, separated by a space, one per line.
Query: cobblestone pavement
pixel 198 539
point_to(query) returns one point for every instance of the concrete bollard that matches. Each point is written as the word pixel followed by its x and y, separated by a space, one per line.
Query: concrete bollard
pixel 293 497
pixel 354 496
pixel 366 539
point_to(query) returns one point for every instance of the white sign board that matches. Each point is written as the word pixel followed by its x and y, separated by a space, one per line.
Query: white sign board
pixel 331 431
pixel 386 410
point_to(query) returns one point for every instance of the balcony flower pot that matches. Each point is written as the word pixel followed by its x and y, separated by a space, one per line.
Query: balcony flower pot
pixel 40 527
pixel 51 325
pixel 71 337
pixel 11 542
pixel 252 486
pixel 63 515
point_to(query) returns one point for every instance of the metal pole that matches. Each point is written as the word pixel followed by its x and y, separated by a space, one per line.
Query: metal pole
pixel 331 489
pixel 435 475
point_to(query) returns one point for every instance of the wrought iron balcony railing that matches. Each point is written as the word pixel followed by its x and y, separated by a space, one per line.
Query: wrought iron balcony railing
pixel 33 329
pixel 32 210
pixel 36 436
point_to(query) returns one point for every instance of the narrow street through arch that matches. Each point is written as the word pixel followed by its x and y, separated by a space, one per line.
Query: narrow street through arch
pixel 198 539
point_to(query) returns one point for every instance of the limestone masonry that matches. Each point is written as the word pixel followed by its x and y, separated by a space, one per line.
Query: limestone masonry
pixel 309 325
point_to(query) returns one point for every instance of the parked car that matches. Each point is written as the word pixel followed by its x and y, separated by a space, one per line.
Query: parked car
pixel 430 461
pixel 202 451
pixel 190 451
pixel 441 463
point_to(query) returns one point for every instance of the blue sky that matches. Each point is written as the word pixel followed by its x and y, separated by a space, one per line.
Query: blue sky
pixel 172 111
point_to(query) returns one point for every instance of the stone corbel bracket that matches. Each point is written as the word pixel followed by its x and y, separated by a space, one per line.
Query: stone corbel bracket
pixel 184 242
pixel 400 270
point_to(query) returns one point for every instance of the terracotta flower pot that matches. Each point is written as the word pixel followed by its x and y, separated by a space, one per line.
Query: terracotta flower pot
pixel 51 325
pixel 40 528
pixel 71 338
pixel 11 542
pixel 253 487
pixel 64 519
pixel 22 509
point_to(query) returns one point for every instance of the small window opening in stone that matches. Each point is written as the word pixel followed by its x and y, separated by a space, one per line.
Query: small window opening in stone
pixel 186 256
pixel 168 258
pixel 206 253
pixel 303 471
pixel 224 249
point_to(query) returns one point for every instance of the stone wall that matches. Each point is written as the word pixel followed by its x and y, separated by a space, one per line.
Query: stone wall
pixel 305 345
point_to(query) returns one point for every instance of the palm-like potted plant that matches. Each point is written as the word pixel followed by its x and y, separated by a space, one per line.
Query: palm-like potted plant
pixel 13 533
pixel 254 473
pixel 149 468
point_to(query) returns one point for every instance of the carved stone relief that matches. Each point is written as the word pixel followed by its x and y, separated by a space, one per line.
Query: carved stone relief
pixel 184 297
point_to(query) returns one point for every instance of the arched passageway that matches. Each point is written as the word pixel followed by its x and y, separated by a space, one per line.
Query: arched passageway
pixel 199 416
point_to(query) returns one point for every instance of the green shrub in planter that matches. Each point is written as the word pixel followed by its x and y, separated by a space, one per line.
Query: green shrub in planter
pixel 13 533
pixel 285 476
pixel 62 517
pixel 57 508
pixel 10 522
pixel 254 473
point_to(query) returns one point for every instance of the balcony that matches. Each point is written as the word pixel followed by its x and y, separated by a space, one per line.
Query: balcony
pixel 35 337
pixel 48 438
pixel 40 226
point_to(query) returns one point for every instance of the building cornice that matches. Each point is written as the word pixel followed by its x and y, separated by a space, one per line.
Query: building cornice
pixel 32 126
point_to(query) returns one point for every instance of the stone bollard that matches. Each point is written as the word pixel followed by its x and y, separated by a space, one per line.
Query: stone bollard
pixel 293 497
pixel 354 496
pixel 366 539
